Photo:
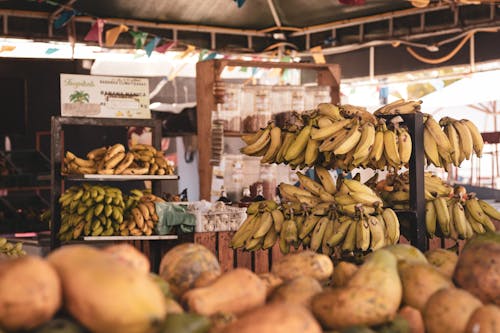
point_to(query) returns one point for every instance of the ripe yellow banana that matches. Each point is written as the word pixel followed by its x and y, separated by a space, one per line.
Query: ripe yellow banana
pixel 386 108
pixel 475 209
pixel 308 225
pixel 299 143
pixel 391 150
pixel 288 191
pixel 274 145
pixel 430 218
pixel 344 199
pixel 391 222
pixel 350 141
pixel 329 110
pixel 251 138
pixel 442 215
pixel 338 236
pixel 265 223
pixel 362 234
pixel 476 226
pixel 356 186
pixel 324 121
pixel 366 141
pixel 377 233
pixel 244 232
pixel 454 139
pixel 289 231
pixel 309 184
pixel 459 220
pixel 349 243
pixel 466 143
pixel 325 249
pixel 278 219
pixel 308 201
pixel 366 198
pixel 318 233
pixel 404 145
pixel 430 148
pixel 489 210
pixel 326 197
pixel 326 179
pixel 323 133
pixel 287 141
pixel 437 133
pixel 259 144
pixel 312 152
pixel 333 141
pixel 378 145
pixel 270 239
pixel 477 139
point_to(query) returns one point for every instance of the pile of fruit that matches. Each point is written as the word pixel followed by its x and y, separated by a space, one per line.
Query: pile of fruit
pixel 114 160
pixel 320 217
pixel 8 249
pixel 94 210
pixel 347 137
pixel 396 289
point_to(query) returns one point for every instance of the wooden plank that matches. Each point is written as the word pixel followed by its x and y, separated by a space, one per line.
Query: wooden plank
pixel 207 239
pixel 243 259
pixel 261 261
pixel 226 253
pixel 403 240
pixel 434 243
pixel 275 253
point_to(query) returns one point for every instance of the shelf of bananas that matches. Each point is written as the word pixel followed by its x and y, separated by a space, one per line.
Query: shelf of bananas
pixel 450 211
pixel 321 216
pixel 114 160
pixel 8 249
pixel 332 136
pixel 95 210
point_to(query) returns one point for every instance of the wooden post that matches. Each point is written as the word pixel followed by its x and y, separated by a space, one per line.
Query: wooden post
pixel 226 254
pixel 243 259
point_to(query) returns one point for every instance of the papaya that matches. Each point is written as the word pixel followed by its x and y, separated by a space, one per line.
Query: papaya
pixel 185 323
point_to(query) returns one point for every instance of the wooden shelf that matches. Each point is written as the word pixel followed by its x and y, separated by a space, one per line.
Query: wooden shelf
pixel 27 188
pixel 125 238
pixel 97 177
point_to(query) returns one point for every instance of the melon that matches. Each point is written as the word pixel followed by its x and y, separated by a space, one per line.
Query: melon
pixel 183 265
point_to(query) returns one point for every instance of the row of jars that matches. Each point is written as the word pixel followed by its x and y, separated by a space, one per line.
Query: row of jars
pixel 247 108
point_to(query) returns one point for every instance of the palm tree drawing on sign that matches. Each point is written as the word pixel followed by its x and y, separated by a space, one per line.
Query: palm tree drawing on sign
pixel 79 96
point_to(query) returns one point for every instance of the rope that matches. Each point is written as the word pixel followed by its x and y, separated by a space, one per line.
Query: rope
pixel 442 59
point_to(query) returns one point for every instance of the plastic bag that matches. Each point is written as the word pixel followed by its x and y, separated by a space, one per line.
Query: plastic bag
pixel 170 215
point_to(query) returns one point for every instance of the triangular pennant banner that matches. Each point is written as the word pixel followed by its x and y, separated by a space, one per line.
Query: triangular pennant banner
pixel 187 51
pixel 239 3
pixel 152 45
pixel 202 54
pixel 317 54
pixel 64 18
pixel 211 56
pixel 139 38
pixel 254 70
pixel 286 59
pixel 165 47
pixel 7 48
pixel 95 33
pixel 51 50
pixel 113 34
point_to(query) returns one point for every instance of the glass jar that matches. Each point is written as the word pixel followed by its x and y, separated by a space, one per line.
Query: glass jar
pixel 315 95
pixel 255 107
pixel 268 178
pixel 230 111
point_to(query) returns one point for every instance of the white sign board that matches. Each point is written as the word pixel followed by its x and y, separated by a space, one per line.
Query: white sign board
pixel 104 97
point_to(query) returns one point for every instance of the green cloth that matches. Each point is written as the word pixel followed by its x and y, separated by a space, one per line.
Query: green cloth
pixel 170 215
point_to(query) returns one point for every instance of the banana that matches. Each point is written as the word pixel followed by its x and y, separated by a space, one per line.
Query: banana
pixel 477 139
pixel 289 231
pixel 114 161
pixel 329 110
pixel 299 143
pixel 362 234
pixel 113 150
pixel 84 163
pixel 318 233
pixel 459 220
pixel 135 171
pixel 391 149
pixel 307 200
pixel 308 225
pixel 278 219
pixel 330 228
pixel 489 210
pixel 464 134
pixel 274 145
pixel 350 141
pixel 377 232
pixel 144 210
pixel 404 107
pixel 404 145
pixel 260 144
pixel 344 199
pixel 430 218
pixel 312 152
pixel 366 141
pixel 251 138
pixel 283 245
pixel 488 224
pixel 138 218
pixel 324 121
pixel 124 163
pixel 430 148
pixel 442 215
pixel 323 133
pixel 391 222
pixel 289 192
pixel 356 186
pixel 309 184
pixel 378 145
pixel 366 198
pixel 326 197
pixel 270 239
pixel 244 232
pixel 333 141
pixel 326 179
pixel 399 196
pixel 454 139
pixel 97 153
pixel 437 133
pixel 340 233
pixel 349 242
pixel 287 141
pixel 475 225
pixel 386 108
pixel 265 223
pixel 475 209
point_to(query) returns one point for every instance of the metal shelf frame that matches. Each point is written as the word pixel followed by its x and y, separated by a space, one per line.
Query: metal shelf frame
pixel 57 152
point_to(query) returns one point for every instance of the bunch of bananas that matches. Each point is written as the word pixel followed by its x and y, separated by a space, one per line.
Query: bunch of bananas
pixel 141 217
pixel 460 216
pixel 90 210
pixel 320 217
pixel 332 136
pixel 114 160
pixel 395 189
pixel 454 144
pixel 8 249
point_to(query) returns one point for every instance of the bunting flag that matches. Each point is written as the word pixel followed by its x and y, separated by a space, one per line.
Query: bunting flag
pixel 165 47
pixel 211 56
pixel 51 50
pixel 243 69
pixel 7 48
pixel 64 18
pixel 239 3
pixel 286 59
pixel 190 48
pixel 202 55
pixel 152 45
pixel 317 54
pixel 113 34
pixel 254 70
pixel 139 38
pixel 95 32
